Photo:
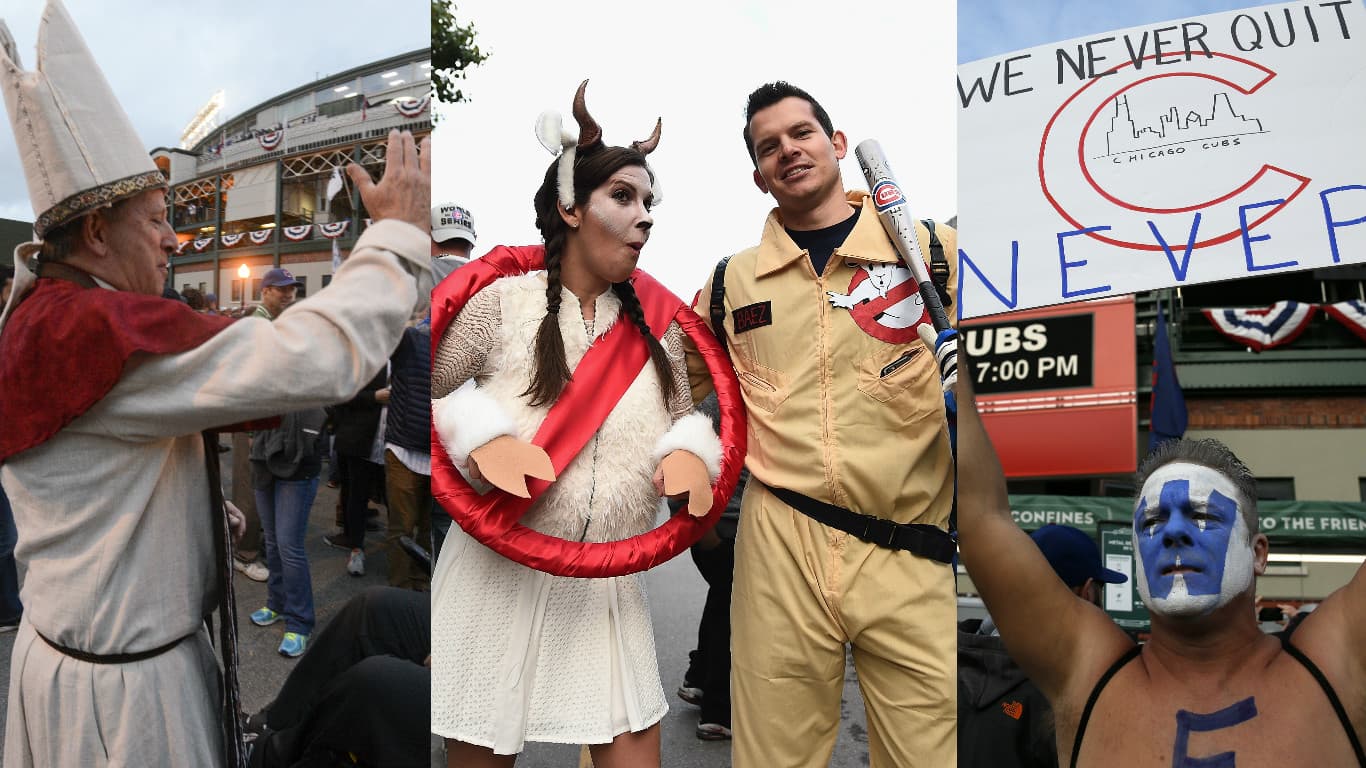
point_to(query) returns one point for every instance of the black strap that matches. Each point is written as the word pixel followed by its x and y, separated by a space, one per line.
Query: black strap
pixel 61 271
pixel 110 658
pixel 234 753
pixel 1129 655
pixel 718 303
pixel 1298 655
pixel 926 541
pixel 939 266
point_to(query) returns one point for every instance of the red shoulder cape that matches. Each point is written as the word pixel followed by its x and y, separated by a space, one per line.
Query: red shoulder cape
pixel 65 346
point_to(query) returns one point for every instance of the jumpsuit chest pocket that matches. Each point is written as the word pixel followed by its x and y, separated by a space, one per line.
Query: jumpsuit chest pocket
pixel 764 388
pixel 901 378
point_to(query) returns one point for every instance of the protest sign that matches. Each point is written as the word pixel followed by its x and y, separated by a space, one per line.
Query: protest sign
pixel 1201 149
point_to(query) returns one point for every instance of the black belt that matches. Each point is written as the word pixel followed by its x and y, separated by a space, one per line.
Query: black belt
pixel 111 658
pixel 926 541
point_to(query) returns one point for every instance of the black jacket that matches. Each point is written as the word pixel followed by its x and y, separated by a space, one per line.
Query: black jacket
pixel 409 423
pixel 356 420
pixel 1003 719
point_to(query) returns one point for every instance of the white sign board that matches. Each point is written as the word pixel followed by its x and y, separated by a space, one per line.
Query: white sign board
pixel 1208 148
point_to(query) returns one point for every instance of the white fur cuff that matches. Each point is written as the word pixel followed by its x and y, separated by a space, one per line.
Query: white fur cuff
pixel 693 434
pixel 468 418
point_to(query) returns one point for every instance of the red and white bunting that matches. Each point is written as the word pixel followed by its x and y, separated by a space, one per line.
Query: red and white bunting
pixel 298 232
pixel 271 139
pixel 200 243
pixel 231 240
pixel 410 107
pixel 180 248
pixel 260 236
pixel 1351 314
pixel 1264 328
pixel 334 229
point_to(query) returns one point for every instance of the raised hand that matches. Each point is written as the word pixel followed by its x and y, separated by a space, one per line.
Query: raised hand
pixel 405 191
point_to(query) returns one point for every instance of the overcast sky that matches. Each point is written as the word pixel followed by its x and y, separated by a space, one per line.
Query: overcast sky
pixel 992 27
pixel 166 58
pixel 882 70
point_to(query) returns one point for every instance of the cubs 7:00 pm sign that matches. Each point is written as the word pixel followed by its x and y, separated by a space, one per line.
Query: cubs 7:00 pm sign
pixel 1190 151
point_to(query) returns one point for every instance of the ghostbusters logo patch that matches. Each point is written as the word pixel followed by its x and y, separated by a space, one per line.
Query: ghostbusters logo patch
pixel 883 300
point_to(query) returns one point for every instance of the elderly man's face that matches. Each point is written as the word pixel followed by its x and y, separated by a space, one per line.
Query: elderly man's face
pixel 141 243
pixel 1194 551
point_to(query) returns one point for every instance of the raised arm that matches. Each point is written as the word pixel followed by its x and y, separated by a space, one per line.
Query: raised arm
pixel 1060 640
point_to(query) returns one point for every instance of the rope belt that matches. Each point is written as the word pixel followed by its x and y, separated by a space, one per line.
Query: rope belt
pixel 111 658
pixel 925 541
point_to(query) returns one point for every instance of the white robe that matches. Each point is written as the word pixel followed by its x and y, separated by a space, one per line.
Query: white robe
pixel 114 527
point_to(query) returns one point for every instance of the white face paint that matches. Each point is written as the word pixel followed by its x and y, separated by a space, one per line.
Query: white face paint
pixel 1193 551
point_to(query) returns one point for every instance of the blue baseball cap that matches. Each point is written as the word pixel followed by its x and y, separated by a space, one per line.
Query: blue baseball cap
pixel 1074 555
pixel 279 278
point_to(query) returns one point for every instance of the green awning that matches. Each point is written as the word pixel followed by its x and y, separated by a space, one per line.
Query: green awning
pixel 1338 526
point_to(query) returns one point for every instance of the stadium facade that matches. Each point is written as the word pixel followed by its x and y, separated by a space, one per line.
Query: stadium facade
pixel 268 187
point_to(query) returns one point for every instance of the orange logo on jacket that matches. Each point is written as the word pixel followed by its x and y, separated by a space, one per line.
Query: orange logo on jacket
pixel 1013 708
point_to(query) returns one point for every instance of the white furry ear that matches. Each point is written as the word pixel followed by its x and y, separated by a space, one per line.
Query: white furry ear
pixel 552 134
pixel 561 141
pixel 656 189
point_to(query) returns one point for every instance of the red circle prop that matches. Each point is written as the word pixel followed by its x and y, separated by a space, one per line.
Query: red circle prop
pixel 492 518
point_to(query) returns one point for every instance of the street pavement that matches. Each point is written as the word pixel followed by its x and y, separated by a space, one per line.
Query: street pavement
pixel 676 593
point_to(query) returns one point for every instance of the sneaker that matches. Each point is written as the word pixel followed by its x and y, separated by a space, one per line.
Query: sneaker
pixel 713 732
pixel 690 694
pixel 356 565
pixel 264 617
pixel 253 570
pixel 337 540
pixel 294 643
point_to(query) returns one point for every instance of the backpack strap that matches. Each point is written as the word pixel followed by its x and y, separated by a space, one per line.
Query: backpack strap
pixel 718 299
pixel 939 266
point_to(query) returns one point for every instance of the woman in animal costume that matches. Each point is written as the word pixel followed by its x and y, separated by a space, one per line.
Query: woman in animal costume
pixel 519 654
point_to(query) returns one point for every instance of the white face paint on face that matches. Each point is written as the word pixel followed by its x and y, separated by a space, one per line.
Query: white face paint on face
pixel 616 224
pixel 1194 551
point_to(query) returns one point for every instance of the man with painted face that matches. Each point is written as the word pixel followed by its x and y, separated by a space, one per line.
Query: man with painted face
pixel 1209 688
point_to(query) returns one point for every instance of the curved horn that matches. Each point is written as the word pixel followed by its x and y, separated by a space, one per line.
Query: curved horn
pixel 590 132
pixel 648 146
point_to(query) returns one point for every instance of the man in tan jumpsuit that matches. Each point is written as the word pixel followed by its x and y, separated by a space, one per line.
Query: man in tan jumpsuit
pixel 845 411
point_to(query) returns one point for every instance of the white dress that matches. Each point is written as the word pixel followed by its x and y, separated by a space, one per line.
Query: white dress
pixel 519 655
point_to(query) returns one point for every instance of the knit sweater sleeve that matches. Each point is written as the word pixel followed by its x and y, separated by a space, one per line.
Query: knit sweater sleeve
pixel 467 342
pixel 680 398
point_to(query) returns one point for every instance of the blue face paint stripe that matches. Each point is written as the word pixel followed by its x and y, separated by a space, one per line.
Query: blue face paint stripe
pixel 1226 508
pixel 1176 495
pixel 1188 722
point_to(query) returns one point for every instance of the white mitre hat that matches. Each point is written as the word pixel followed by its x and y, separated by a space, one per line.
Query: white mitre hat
pixel 78 147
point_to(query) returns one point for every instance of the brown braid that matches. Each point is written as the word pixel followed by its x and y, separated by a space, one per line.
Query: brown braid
pixel 630 306
pixel 552 370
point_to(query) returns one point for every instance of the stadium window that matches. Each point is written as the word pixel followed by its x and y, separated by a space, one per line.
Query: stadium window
pixel 1275 489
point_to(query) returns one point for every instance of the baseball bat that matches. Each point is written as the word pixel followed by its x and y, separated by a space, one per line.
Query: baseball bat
pixel 896 219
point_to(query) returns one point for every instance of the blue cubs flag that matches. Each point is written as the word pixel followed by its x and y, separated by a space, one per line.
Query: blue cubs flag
pixel 1168 404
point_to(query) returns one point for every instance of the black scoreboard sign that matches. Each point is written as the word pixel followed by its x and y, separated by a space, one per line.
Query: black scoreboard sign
pixel 1028 355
